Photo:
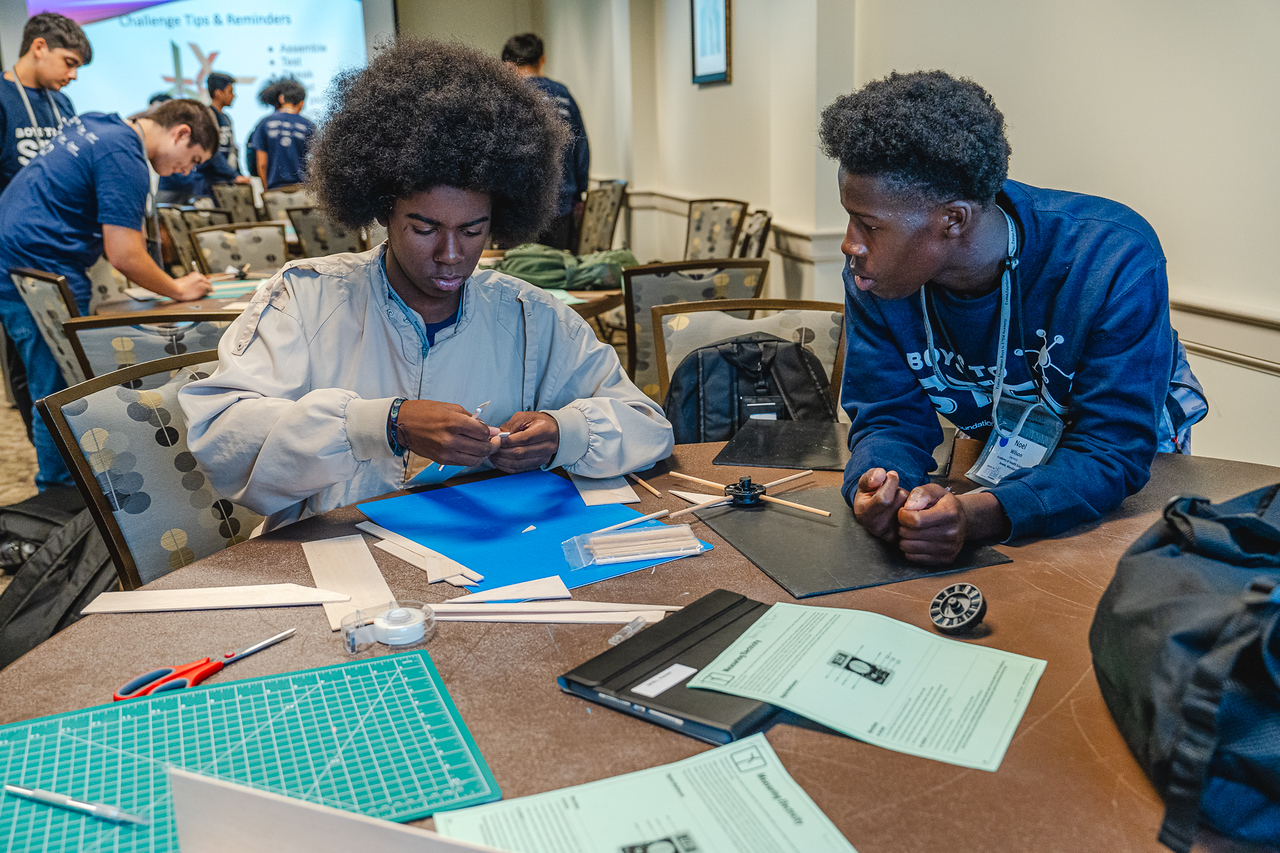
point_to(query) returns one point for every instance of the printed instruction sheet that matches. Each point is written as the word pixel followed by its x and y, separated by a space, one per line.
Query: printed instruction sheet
pixel 881 681
pixel 734 797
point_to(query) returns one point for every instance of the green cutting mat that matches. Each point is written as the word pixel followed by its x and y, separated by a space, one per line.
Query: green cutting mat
pixel 380 737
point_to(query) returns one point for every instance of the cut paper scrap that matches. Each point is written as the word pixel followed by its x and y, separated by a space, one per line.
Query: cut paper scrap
pixel 610 490
pixel 530 527
pixel 212 598
pixel 541 589
pixel 480 525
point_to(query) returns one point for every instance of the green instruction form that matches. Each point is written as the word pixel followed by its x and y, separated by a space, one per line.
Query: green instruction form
pixel 881 681
pixel 734 797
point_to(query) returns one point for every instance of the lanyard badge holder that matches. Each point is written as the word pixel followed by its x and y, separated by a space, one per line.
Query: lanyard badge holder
pixel 1023 433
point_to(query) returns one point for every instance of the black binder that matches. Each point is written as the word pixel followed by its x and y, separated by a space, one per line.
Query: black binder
pixel 646 675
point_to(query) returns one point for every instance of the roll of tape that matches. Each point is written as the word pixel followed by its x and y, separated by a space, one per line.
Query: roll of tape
pixel 400 626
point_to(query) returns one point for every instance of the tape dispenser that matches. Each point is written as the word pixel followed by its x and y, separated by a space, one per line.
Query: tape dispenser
pixel 399 624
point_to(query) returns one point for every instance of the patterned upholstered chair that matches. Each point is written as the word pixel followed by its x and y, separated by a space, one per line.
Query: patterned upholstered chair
pixel 754 236
pixel 276 202
pixel 687 281
pixel 204 217
pixel 600 217
pixel 374 234
pixel 683 327
pixel 108 284
pixel 117 341
pixel 319 235
pixel 714 224
pixel 127 449
pixel 261 245
pixel 51 303
pixel 236 199
pixel 179 234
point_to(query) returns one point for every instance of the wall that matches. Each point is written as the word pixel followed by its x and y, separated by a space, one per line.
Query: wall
pixel 483 24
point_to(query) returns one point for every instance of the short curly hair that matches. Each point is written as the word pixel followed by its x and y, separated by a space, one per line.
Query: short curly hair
pixel 426 114
pixel 925 131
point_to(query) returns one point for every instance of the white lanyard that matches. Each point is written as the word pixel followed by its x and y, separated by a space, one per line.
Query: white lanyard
pixel 31 114
pixel 1006 290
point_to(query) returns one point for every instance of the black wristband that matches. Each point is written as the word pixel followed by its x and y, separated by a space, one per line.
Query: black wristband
pixel 393 438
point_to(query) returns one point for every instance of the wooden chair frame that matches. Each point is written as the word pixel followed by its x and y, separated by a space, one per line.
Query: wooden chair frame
pixel 764 237
pixel 628 299
pixel 51 410
pixel 232 228
pixel 617 214
pixel 53 278
pixel 688 233
pixel 752 305
pixel 136 318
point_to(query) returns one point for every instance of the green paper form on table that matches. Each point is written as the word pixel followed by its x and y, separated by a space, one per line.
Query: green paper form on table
pixel 881 681
pixel 735 797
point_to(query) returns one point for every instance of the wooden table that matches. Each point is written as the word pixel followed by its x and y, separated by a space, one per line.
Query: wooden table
pixel 1068 783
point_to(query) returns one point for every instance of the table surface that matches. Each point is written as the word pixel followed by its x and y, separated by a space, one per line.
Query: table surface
pixel 1067 783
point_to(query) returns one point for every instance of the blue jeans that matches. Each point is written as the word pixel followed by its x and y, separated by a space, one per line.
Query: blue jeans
pixel 43 378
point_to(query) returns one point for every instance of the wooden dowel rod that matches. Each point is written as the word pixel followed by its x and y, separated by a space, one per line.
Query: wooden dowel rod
pixel 695 507
pixel 645 485
pixel 698 480
pixel 787 479
pixel 659 514
pixel 663 555
pixel 771 499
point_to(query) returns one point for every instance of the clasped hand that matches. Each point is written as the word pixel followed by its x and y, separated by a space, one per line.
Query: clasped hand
pixel 450 435
pixel 929 523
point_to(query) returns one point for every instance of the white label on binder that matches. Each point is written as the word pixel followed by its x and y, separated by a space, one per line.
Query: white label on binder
pixel 664 681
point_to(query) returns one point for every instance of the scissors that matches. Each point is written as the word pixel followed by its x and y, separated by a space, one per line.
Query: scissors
pixel 178 677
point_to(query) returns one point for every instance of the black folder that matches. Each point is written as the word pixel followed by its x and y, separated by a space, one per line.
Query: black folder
pixel 658 663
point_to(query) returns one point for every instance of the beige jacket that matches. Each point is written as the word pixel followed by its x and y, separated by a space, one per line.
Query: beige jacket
pixel 293 421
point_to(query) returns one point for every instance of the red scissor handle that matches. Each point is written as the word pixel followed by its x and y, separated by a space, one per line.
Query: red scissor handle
pixel 168 678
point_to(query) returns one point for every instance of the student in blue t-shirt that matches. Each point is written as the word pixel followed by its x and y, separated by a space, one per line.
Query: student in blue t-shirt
pixel 984 299
pixel 280 140
pixel 84 195
pixel 224 166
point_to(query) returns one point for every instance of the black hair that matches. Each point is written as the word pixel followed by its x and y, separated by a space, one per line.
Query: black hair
pixel 427 114
pixel 269 94
pixel 217 81
pixel 524 50
pixel 926 132
pixel 195 115
pixel 286 90
pixel 57 31
pixel 157 98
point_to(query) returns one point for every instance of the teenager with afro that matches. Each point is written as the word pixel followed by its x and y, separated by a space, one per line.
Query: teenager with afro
pixel 971 295
pixel 342 367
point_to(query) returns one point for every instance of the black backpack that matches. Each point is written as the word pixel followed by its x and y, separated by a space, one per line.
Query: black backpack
pixel 1186 647
pixel 66 566
pixel 718 387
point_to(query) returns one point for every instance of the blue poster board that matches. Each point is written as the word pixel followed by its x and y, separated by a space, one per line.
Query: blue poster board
pixel 481 526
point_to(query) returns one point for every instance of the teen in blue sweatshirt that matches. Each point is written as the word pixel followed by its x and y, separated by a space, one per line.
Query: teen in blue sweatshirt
pixel 934 226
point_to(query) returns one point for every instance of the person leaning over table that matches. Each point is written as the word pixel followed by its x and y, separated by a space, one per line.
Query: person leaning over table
pixel 947 259
pixel 343 364
pixel 83 196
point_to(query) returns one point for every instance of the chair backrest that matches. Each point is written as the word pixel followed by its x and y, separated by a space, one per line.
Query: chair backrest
pixel 754 236
pixel 714 224
pixel 179 235
pixel 319 235
pixel 686 281
pixel 117 341
pixel 236 199
pixel 276 202
pixel 51 303
pixel 108 284
pixel 203 202
pixel 261 245
pixel 127 450
pixel 374 234
pixel 600 217
pixel 683 327
pixel 205 217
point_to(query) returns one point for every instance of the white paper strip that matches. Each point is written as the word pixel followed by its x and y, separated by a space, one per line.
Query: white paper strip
pixel 211 598
pixel 619 617
pixel 456 606
pixel 610 490
pixel 542 588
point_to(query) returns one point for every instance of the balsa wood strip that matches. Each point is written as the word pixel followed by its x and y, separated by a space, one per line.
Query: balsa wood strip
pixel 456 606
pixel 345 565
pixel 408 544
pixel 618 617
pixel 542 588
pixel 212 598
pixel 436 568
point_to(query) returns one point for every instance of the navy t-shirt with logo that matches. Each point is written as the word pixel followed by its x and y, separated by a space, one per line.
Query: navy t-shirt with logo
pixel 285 137
pixel 52 213
pixel 19 141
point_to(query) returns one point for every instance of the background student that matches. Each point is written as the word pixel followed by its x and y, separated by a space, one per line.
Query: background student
pixel 224 166
pixel 280 140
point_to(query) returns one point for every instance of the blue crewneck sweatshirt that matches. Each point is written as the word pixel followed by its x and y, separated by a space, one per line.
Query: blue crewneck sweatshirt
pixel 1090 336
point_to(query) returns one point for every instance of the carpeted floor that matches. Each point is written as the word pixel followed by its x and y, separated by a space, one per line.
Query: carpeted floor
pixel 17 463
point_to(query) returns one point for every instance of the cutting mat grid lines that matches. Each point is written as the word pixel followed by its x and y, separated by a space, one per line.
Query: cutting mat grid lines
pixel 380 737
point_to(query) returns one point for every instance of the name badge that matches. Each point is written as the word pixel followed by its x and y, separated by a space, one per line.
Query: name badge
pixel 1031 433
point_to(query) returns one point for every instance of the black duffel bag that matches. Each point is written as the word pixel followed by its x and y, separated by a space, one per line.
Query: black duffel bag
pixel 1186 652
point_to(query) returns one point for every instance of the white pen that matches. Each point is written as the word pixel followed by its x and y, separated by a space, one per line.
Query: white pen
pixel 102 811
